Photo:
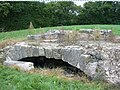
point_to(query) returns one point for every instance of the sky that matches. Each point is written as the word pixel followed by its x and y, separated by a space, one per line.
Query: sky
pixel 79 2
pixel 76 2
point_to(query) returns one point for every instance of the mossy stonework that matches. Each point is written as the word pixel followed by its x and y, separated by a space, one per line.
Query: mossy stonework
pixel 97 59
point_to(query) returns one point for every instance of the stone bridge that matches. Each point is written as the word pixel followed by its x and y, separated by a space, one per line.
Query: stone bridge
pixel 97 59
pixel 102 63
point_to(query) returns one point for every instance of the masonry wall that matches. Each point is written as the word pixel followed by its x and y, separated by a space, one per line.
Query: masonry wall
pixel 100 62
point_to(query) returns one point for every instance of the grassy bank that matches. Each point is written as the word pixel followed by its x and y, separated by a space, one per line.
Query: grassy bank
pixel 13 79
pixel 21 34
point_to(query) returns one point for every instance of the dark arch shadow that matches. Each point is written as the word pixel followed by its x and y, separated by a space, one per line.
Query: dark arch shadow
pixel 43 62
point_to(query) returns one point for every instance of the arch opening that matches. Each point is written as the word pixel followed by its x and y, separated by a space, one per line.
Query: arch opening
pixel 51 63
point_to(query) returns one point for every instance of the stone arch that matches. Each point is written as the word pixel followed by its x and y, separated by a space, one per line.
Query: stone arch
pixel 51 63
pixel 85 59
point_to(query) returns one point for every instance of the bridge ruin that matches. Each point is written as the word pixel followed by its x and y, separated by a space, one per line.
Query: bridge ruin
pixel 98 59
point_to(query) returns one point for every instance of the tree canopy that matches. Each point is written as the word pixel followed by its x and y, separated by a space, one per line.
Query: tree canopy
pixel 18 15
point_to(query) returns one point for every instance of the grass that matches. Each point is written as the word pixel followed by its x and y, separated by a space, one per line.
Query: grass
pixel 21 34
pixel 13 79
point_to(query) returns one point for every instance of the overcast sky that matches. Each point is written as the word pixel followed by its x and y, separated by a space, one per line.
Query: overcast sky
pixel 79 2
pixel 76 2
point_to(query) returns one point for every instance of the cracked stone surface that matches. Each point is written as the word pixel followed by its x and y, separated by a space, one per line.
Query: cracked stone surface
pixel 95 62
pixel 99 60
pixel 25 66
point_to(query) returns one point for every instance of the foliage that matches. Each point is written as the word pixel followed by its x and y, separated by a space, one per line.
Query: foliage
pixel 4 9
pixel 17 15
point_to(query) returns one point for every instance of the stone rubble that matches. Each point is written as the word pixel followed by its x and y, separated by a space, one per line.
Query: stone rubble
pixel 55 34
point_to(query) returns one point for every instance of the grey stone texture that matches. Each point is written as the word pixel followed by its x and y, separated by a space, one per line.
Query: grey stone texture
pixel 1 56
pixel 25 66
pixel 61 36
pixel 96 58
pixel 97 63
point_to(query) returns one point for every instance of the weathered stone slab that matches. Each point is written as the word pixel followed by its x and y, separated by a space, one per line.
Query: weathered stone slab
pixel 35 51
pixel 41 51
pixel 25 66
pixel 48 52
pixel 33 37
pixel 71 55
pixel 57 53
pixel 83 60
pixel 90 69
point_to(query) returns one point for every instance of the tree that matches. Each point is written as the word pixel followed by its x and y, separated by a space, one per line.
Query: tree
pixel 4 9
pixel 100 12
pixel 62 13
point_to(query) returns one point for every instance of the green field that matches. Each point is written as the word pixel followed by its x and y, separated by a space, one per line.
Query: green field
pixel 13 79
pixel 21 34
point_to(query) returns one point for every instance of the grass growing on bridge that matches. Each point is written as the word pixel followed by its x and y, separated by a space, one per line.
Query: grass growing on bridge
pixel 13 79
pixel 21 34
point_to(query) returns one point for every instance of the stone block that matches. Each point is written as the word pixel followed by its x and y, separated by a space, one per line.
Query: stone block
pixel 71 55
pixel 90 69
pixel 25 66
pixel 56 53
pixel 41 51
pixel 33 37
pixel 48 52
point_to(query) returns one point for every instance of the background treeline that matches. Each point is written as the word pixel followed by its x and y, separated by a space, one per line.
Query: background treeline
pixel 18 15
